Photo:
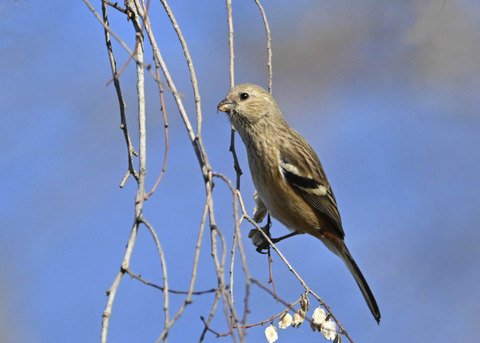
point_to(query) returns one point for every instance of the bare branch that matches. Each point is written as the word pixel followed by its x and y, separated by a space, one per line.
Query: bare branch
pixel 189 64
pixel 131 169
pixel 111 292
pixel 115 5
pixel 172 291
pixel 167 144
pixel 192 280
pixel 269 45
pixel 106 27
pixel 230 42
pixel 236 165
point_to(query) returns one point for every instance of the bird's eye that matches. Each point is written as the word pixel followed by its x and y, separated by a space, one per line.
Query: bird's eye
pixel 244 96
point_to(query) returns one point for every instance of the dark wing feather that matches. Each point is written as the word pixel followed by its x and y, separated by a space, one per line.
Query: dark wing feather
pixel 307 177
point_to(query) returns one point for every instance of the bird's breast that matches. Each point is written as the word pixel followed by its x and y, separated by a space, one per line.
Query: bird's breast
pixel 282 202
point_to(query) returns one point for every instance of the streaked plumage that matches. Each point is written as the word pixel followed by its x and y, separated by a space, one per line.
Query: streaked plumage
pixel 288 175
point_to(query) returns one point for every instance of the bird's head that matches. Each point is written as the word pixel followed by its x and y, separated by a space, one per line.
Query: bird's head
pixel 247 103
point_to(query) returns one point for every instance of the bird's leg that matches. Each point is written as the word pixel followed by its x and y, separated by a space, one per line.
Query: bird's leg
pixel 279 239
pixel 269 223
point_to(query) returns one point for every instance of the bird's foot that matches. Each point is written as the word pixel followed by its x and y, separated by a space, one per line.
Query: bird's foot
pixel 258 239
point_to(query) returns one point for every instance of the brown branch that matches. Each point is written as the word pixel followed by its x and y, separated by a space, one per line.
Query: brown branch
pixel 173 291
pixel 207 328
pixel 211 314
pixel 117 75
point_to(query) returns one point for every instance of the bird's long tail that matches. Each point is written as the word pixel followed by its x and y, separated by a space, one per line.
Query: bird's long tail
pixel 361 282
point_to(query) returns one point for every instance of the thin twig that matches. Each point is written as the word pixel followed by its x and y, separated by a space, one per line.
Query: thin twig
pixel 106 27
pixel 218 294
pixel 113 65
pixel 238 238
pixel 236 165
pixel 228 305
pixel 219 268
pixel 230 42
pixel 111 292
pixel 172 291
pixel 207 328
pixel 191 69
pixel 236 195
pixel 203 161
pixel 165 125
pixel 164 269
pixel 188 298
pixel 270 278
pixel 232 264
pixel 269 45
pixel 122 43
pixel 116 6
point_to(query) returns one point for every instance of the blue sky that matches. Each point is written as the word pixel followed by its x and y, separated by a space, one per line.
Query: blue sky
pixel 386 94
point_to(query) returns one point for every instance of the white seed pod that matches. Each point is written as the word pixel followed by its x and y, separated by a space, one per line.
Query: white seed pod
pixel 271 333
pixel 285 320
pixel 298 318
pixel 319 316
pixel 329 329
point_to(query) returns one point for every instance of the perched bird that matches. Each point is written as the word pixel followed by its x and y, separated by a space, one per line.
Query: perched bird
pixel 288 175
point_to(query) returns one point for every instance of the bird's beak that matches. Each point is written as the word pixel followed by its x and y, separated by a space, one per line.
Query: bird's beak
pixel 226 105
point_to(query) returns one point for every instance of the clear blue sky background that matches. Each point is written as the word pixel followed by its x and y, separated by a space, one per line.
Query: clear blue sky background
pixel 387 94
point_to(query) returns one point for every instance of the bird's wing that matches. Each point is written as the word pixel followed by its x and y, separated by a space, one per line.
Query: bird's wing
pixel 302 170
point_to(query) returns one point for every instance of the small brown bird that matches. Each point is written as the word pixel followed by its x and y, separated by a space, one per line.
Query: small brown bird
pixel 288 175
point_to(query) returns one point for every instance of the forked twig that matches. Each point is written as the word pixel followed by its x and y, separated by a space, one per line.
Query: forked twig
pixel 113 65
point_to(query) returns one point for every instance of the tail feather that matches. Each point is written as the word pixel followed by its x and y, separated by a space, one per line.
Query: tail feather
pixel 361 282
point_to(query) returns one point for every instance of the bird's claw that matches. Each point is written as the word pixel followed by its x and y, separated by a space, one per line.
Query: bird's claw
pixel 258 239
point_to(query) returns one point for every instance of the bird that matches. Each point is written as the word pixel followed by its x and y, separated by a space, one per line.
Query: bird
pixel 288 176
